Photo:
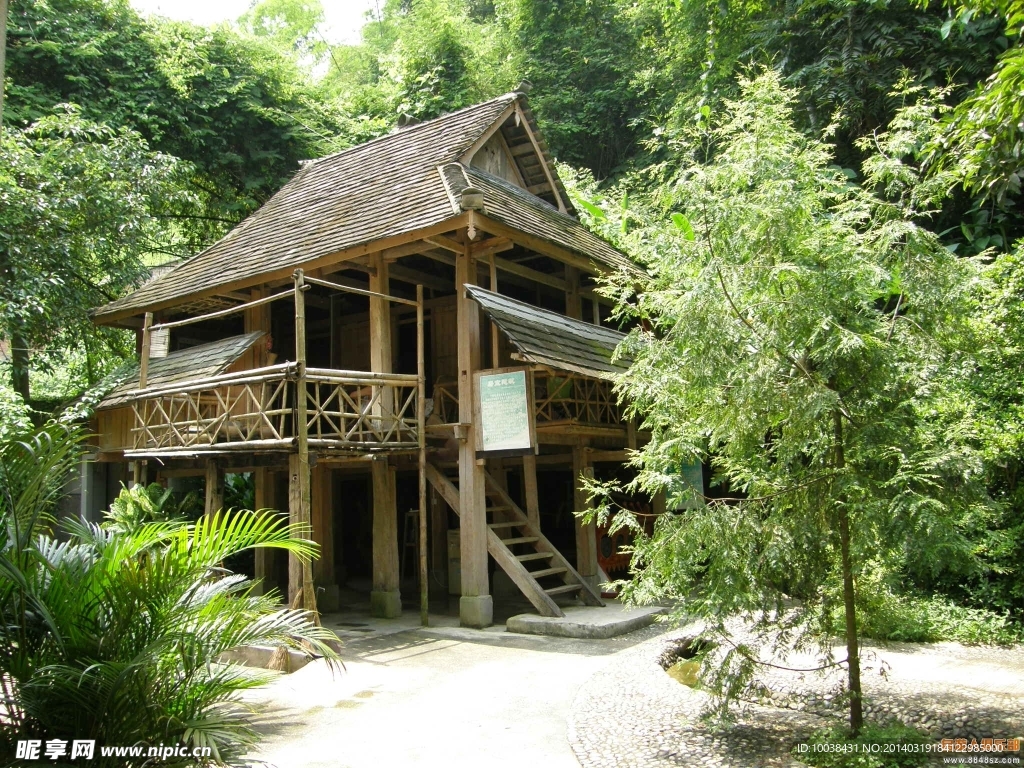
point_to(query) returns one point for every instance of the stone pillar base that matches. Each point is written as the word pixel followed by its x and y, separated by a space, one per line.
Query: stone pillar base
pixel 328 598
pixel 385 605
pixel 476 611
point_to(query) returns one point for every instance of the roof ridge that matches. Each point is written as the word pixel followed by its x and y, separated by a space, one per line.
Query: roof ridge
pixel 510 96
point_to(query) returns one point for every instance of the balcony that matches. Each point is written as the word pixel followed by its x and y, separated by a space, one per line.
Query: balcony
pixel 257 410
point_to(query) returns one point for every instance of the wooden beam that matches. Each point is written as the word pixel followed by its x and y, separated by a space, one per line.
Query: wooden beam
pixel 540 156
pixel 492 245
pixel 467 156
pixel 530 274
pixel 538 244
pixel 445 242
pixel 416 277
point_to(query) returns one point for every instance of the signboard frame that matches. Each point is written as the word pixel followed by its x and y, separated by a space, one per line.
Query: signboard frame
pixel 478 412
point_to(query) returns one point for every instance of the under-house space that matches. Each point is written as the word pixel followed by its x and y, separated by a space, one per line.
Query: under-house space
pixel 405 349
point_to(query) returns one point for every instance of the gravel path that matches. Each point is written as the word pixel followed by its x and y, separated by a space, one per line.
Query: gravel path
pixel 632 713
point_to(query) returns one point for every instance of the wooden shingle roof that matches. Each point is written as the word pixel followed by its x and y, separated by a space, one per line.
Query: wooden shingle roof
pixel 551 339
pixel 513 206
pixel 199 362
pixel 384 188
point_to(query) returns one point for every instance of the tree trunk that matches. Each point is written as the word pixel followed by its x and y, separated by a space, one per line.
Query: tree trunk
pixel 849 595
pixel 3 56
pixel 19 364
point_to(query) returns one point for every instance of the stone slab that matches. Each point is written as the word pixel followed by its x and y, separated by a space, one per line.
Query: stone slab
pixel 260 655
pixel 591 623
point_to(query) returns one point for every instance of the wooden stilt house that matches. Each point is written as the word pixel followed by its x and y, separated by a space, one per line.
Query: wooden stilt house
pixel 405 338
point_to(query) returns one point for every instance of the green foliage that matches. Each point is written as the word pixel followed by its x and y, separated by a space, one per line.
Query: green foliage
pixel 988 129
pixel 236 108
pixel 836 749
pixel 115 632
pixel 888 612
pixel 422 59
pixel 792 344
pixel 77 199
pixel 136 506
pixel 292 25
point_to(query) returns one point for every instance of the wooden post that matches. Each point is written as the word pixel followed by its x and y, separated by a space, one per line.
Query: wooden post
pixel 385 597
pixel 476 608
pixel 573 304
pixel 322 493
pixel 299 476
pixel 586 533
pixel 439 538
pixel 530 489
pixel 381 355
pixel 295 518
pixel 495 352
pixel 214 487
pixel 264 556
pixel 144 352
pixel 421 394
pixel 258 319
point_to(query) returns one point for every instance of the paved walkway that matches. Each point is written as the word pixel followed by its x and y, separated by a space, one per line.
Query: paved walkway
pixel 451 697
pixel 442 696
pixel 945 689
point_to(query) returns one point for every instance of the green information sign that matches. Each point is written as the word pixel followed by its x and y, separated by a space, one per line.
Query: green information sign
pixel 504 411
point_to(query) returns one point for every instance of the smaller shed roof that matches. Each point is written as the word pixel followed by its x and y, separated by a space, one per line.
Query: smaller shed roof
pixel 198 362
pixel 548 338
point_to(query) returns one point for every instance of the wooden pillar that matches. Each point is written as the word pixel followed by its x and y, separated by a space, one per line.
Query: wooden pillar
pixel 295 518
pixel 530 489
pixel 573 304
pixel 300 573
pixel 439 540
pixel 385 598
pixel 322 494
pixel 476 608
pixel 586 533
pixel 258 319
pixel 264 556
pixel 214 487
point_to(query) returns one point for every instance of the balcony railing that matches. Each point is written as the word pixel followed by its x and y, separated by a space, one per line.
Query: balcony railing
pixel 256 410
pixel 558 398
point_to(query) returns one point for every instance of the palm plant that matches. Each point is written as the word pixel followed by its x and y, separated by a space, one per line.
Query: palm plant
pixel 115 634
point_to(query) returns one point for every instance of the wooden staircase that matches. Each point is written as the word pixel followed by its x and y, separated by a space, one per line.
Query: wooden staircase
pixel 517 545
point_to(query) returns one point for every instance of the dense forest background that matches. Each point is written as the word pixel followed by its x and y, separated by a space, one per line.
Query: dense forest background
pixel 130 142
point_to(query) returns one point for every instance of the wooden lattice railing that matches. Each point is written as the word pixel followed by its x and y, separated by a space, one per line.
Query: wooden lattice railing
pixel 255 410
pixel 558 397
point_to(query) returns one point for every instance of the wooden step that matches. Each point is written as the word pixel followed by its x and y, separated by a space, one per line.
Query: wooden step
pixel 520 540
pixel 499 508
pixel 564 588
pixel 548 572
pixel 535 556
pixel 513 524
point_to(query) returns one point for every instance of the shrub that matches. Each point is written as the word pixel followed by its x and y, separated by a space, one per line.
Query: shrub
pixel 116 633
pixel 834 748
